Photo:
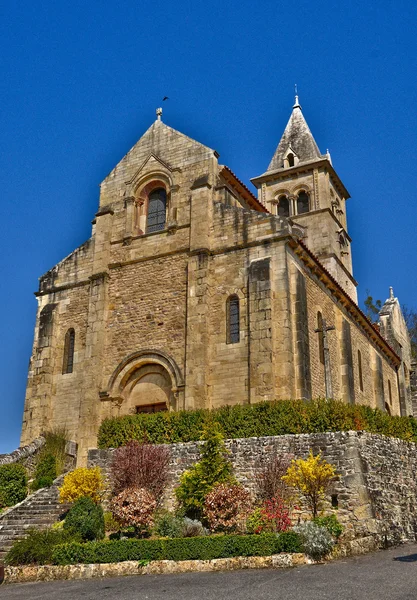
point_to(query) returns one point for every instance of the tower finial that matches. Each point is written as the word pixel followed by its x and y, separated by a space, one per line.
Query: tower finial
pixel 296 103
pixel 159 113
pixel 391 293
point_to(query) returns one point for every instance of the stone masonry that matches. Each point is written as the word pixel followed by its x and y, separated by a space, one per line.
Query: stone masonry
pixel 137 319
pixel 376 493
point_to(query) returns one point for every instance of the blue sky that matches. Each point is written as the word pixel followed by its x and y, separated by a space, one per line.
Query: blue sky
pixel 80 82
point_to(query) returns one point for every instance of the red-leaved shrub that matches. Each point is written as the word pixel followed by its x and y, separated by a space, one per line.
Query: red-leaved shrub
pixel 140 465
pixel 226 507
pixel 269 482
pixel 134 506
pixel 275 515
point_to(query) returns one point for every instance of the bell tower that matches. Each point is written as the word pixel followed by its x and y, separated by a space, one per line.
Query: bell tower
pixel 302 186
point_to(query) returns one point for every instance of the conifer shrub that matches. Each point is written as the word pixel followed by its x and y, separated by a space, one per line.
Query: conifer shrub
pixel 82 482
pixel 13 484
pixel 85 519
pixel 167 524
pixel 45 472
pixel 264 418
pixel 212 469
pixel 140 465
pixel 226 507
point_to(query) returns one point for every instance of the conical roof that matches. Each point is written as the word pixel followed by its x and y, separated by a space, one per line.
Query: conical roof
pixel 298 137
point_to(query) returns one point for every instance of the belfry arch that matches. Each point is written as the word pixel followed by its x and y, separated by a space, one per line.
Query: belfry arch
pixel 147 381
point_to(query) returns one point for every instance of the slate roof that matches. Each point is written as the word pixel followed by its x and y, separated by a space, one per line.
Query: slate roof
pixel 297 134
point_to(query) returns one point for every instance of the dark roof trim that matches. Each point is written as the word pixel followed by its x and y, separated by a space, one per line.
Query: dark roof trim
pixel 312 261
pixel 242 190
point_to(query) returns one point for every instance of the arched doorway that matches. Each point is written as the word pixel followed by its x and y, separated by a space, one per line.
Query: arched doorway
pixel 146 381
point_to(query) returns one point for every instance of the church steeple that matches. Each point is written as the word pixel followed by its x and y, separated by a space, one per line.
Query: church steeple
pixel 298 138
pixel 302 186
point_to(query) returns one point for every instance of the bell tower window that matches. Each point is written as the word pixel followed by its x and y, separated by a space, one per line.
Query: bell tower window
pixel 290 159
pixel 283 207
pixel 157 203
pixel 303 205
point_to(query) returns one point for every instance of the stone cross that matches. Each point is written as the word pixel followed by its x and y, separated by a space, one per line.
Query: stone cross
pixel 327 371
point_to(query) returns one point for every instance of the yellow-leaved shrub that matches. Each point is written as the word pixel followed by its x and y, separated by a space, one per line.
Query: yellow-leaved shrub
pixel 82 482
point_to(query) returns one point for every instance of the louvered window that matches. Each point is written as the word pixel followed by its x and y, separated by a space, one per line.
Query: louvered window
pixel 156 210
pixel 233 320
pixel 68 362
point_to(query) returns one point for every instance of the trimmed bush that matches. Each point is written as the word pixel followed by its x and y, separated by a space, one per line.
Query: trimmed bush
pixel 37 547
pixel 166 524
pixel 226 507
pixel 45 472
pixel 82 482
pixel 86 519
pixel 196 548
pixel 264 418
pixel 13 484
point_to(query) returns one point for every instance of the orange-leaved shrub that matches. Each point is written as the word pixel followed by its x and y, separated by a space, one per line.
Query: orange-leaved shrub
pixel 226 507
pixel 134 506
pixel 140 465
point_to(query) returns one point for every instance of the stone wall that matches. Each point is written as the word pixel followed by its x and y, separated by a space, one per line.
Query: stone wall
pixel 376 493
pixel 26 455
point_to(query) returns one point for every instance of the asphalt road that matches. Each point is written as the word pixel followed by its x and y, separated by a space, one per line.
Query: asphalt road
pixel 386 575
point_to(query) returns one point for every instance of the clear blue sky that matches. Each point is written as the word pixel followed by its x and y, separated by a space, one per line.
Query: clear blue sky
pixel 80 82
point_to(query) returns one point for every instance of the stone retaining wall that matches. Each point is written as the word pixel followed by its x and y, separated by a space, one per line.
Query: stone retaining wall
pixel 25 455
pixel 376 493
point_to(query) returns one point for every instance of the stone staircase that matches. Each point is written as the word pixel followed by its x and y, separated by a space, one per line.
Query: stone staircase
pixel 39 510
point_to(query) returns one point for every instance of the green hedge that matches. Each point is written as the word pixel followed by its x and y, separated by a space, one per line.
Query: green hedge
pixel 265 418
pixel 197 548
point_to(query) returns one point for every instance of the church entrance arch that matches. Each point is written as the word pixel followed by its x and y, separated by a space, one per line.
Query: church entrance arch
pixel 147 381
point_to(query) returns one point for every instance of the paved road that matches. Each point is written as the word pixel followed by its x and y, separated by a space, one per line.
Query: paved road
pixel 385 575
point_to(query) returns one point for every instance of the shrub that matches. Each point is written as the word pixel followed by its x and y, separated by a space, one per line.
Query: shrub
pixel 255 523
pixel 331 523
pixel 166 524
pixel 82 482
pixel 312 478
pixel 269 481
pixel 140 465
pixel 37 548
pixel 226 506
pixel 275 515
pixel 13 484
pixel 134 506
pixel 213 468
pixel 264 418
pixel 192 528
pixel 316 540
pixel 196 548
pixel 86 519
pixel 55 442
pixel 45 472
pixel 110 523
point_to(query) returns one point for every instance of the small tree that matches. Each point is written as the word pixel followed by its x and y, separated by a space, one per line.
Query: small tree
pixel 140 465
pixel 226 507
pixel 269 481
pixel 136 507
pixel 312 478
pixel 213 468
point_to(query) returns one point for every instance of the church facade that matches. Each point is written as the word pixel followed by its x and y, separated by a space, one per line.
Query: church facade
pixel 193 292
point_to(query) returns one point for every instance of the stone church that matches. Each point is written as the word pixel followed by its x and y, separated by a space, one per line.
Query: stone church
pixel 194 292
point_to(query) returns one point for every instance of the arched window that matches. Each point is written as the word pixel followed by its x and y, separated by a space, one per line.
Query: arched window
pixel 68 362
pixel 360 370
pixel 283 207
pixel 157 204
pixel 320 333
pixel 233 320
pixel 302 203
pixel 290 159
